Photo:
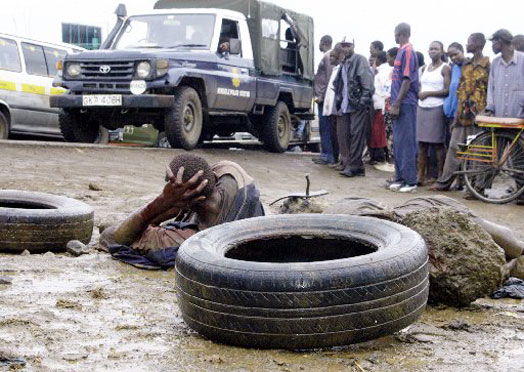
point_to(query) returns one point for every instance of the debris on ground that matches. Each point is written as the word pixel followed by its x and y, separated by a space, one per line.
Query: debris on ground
pixel 25 252
pixel 94 187
pixel 512 288
pixel 68 304
pixel 299 205
pixel 518 270
pixel 77 248
pixel 99 294
pixel 457 325
pixel 6 280
pixel 465 262
pixel 8 359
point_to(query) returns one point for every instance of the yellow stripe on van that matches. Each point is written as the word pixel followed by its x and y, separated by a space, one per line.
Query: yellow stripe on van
pixel 35 89
pixel 7 85
pixel 55 91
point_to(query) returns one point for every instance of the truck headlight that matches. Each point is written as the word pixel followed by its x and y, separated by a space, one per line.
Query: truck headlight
pixel 73 69
pixel 143 69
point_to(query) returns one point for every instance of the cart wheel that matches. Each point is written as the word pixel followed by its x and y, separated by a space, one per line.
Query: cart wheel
pixel 496 183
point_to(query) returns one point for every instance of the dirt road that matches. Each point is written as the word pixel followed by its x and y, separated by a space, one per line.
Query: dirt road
pixel 92 313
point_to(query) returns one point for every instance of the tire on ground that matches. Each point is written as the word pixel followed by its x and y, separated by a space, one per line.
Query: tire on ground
pixel 184 121
pixel 76 127
pixel 42 222
pixel 276 128
pixel 4 127
pixel 296 305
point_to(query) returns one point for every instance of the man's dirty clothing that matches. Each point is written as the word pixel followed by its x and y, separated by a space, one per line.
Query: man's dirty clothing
pixel 157 247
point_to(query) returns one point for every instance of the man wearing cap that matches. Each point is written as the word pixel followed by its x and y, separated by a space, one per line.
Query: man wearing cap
pixel 506 78
pixel 354 88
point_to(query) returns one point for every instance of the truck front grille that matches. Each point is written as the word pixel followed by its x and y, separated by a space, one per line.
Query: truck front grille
pixel 114 70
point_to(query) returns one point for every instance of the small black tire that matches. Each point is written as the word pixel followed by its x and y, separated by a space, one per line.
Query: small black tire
pixel 302 305
pixel 42 222
pixel 276 128
pixel 184 121
pixel 76 127
pixel 4 127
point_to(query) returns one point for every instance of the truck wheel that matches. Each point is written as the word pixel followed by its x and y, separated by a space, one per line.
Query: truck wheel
pixel 276 128
pixel 77 128
pixel 183 122
pixel 4 127
pixel 302 281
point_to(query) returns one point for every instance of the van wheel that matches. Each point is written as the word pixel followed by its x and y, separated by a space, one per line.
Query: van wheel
pixel 276 128
pixel 77 128
pixel 4 127
pixel 183 122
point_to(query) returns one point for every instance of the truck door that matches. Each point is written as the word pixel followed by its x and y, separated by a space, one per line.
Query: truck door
pixel 236 82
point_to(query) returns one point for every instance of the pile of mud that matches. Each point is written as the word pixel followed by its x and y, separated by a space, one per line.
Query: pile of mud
pixel 465 262
pixel 300 205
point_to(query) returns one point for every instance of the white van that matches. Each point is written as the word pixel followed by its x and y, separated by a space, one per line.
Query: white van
pixel 27 69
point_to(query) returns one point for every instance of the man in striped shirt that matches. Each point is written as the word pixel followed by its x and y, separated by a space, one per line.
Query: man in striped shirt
pixel 404 98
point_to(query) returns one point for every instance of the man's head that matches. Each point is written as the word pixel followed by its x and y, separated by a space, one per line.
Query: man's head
pixel 336 55
pixel 381 58
pixel 375 48
pixel 500 40
pixel 391 55
pixel 476 42
pixel 420 59
pixel 518 42
pixel 402 33
pixel 326 42
pixel 192 164
pixel 456 53
pixel 348 46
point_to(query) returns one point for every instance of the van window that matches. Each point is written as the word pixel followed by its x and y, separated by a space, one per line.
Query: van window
pixel 52 55
pixel 34 59
pixel 9 57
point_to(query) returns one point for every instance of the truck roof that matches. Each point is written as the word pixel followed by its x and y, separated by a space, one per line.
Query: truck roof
pixel 45 43
pixel 222 12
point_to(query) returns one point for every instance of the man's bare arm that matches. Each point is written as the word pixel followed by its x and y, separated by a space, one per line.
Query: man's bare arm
pixel 177 195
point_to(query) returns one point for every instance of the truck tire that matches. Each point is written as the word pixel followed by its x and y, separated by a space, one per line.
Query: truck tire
pixel 276 130
pixel 183 121
pixel 4 127
pixel 76 127
pixel 42 222
pixel 302 281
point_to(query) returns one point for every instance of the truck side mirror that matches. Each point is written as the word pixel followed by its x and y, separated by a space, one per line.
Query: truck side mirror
pixel 235 46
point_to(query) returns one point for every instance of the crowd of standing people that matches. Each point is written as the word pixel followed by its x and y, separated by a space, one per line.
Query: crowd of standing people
pixel 397 108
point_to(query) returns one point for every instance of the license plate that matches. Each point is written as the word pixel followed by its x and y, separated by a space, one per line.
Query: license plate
pixel 102 100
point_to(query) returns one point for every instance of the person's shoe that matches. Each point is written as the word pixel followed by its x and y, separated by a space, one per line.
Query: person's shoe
pixel 437 187
pixel 334 165
pixel 395 186
pixel 339 167
pixel 349 173
pixel 408 188
pixel 320 161
pixel 455 188
pixel 520 201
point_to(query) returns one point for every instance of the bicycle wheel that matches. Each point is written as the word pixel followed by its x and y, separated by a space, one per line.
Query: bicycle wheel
pixel 500 182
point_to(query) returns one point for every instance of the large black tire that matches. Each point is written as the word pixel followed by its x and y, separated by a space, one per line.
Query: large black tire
pixel 42 222
pixel 276 128
pixel 184 121
pixel 76 127
pixel 295 304
pixel 4 127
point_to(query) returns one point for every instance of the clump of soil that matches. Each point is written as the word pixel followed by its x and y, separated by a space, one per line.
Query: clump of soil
pixel 300 205
pixel 465 262
pixel 518 270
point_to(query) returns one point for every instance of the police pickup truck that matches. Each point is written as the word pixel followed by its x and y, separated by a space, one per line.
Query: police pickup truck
pixel 194 72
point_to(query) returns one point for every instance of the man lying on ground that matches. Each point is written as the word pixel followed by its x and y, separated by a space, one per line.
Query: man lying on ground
pixel 195 198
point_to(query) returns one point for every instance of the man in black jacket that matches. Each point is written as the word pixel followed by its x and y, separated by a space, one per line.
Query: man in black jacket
pixel 354 88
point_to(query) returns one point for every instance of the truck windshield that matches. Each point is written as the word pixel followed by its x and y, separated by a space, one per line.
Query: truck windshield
pixel 167 31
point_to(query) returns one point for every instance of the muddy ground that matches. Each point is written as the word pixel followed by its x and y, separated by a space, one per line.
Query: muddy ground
pixel 62 313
